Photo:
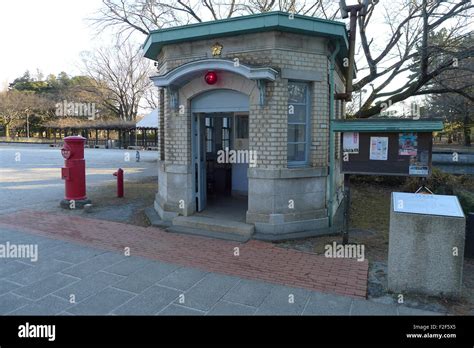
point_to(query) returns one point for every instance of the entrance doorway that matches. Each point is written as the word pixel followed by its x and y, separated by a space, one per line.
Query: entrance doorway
pixel 216 175
pixel 219 125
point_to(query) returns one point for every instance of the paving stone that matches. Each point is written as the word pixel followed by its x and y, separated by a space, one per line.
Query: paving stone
pixel 11 268
pixel 74 253
pixel 183 278
pixel 328 304
pixel 365 307
pixel 229 308
pixel 278 302
pixel 43 246
pixel 45 286
pixel 10 302
pixel 209 291
pixel 174 309
pixel 33 274
pixel 249 292
pixel 88 286
pixel 6 286
pixel 128 266
pixel 49 305
pixel 150 301
pixel 46 246
pixel 146 276
pixel 101 303
pixel 94 264
pixel 8 235
pixel 4 261
pixel 403 310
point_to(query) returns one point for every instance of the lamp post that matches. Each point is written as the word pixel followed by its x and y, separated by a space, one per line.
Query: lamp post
pixel 28 123
pixel 353 11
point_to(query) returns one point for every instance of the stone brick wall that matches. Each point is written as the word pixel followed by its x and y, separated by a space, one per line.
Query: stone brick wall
pixel 268 124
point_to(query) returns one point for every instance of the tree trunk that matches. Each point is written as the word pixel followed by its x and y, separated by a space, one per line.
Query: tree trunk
pixel 467 131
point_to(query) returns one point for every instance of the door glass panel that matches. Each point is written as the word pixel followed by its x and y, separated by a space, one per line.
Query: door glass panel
pixel 209 134
pixel 226 132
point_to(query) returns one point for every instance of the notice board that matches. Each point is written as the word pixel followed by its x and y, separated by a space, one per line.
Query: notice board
pixel 389 153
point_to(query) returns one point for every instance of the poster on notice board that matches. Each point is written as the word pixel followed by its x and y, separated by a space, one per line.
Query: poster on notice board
pixel 350 142
pixel 407 144
pixel 378 148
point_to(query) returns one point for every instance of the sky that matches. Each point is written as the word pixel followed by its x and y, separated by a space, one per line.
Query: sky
pixel 45 34
pixel 50 35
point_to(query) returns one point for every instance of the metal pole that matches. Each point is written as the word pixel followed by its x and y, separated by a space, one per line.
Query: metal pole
pixel 332 145
pixel 347 207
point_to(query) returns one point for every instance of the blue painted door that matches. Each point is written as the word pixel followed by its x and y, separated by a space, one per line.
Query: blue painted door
pixel 202 164
pixel 199 161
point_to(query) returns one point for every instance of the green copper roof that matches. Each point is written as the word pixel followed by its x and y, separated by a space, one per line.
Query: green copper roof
pixel 386 125
pixel 279 21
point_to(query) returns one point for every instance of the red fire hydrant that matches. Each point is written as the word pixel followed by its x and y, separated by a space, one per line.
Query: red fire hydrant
pixel 119 175
pixel 74 173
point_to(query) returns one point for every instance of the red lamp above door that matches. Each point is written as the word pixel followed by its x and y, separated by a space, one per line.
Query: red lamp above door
pixel 211 78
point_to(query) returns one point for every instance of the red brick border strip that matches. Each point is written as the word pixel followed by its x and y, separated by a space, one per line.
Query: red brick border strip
pixel 257 260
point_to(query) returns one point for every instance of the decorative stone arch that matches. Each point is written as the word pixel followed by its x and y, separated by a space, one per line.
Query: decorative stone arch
pixel 186 72
pixel 183 80
pixel 226 81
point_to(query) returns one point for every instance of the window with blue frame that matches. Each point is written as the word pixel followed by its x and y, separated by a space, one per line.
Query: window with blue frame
pixel 298 123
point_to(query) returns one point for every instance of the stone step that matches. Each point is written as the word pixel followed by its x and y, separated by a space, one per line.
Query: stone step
pixel 210 234
pixel 214 225
pixel 155 219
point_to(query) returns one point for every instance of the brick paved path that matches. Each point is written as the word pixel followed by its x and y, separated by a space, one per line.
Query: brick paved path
pixel 257 260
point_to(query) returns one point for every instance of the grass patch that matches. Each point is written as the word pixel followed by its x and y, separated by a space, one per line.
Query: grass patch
pixel 370 207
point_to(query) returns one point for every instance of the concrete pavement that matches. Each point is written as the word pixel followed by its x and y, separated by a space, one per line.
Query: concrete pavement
pixel 73 279
pixel 30 175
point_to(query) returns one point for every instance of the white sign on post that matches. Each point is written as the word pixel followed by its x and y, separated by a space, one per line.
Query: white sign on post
pixel 417 203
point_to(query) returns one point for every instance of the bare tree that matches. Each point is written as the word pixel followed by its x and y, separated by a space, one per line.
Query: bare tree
pixel 17 106
pixel 121 75
pixel 395 59
pixel 146 15
pixel 407 51
pixel 454 106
